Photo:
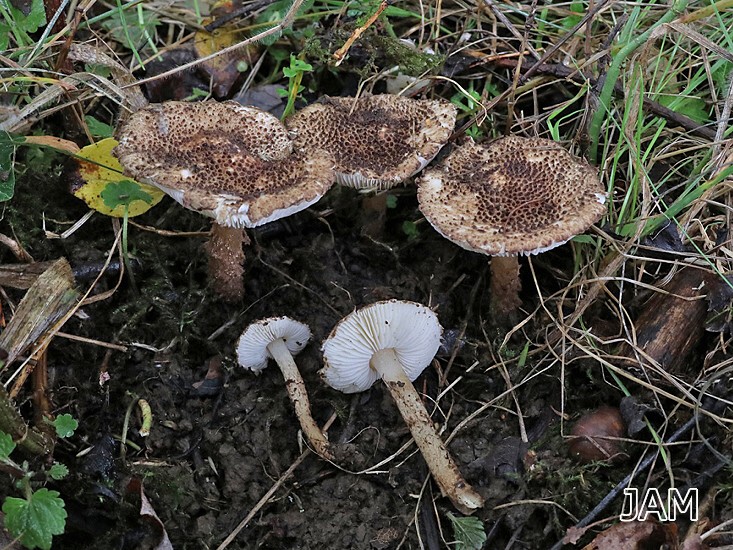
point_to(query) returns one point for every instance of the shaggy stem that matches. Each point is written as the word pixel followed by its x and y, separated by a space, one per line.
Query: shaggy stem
pixel 441 465
pixel 295 387
pixel 504 288
pixel 226 261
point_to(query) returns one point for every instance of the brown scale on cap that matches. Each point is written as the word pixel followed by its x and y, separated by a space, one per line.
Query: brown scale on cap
pixel 512 196
pixel 227 161
pixel 377 141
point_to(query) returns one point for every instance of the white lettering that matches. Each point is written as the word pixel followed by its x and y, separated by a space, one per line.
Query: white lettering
pixel 631 504
pixel 679 504
pixel 652 504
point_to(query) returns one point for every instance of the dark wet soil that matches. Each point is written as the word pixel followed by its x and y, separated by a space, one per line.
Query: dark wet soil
pixel 211 457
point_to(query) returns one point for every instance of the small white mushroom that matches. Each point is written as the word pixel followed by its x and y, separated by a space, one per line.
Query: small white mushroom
pixel 280 338
pixel 395 340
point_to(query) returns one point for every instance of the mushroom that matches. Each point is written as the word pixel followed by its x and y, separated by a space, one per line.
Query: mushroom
pixel 377 141
pixel 233 163
pixel 512 196
pixel 395 340
pixel 280 338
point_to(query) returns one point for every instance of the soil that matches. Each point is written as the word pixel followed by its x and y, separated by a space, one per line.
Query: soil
pixel 217 447
pixel 209 459
pixel 214 452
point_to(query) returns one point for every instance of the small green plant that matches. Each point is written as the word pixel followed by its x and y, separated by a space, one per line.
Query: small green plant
pixel 410 229
pixel 468 532
pixel 295 73
pixel 469 102
pixel 124 193
pixel 98 128
pixel 40 514
pixel 13 22
pixel 7 166
pixel 65 425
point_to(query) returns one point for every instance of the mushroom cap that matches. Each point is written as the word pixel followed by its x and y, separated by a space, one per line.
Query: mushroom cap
pixel 377 141
pixel 512 196
pixel 252 352
pixel 412 329
pixel 233 163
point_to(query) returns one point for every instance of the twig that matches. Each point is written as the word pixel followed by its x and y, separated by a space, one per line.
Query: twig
pixel 91 341
pixel 611 496
pixel 499 14
pixel 234 14
pixel 277 29
pixel 570 34
pixel 41 401
pixel 340 54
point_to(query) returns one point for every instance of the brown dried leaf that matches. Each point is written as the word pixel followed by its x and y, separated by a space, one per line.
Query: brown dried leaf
pixel 223 69
pixel 147 513
pixel 636 535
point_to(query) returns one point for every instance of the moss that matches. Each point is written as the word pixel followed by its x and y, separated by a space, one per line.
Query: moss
pixel 411 61
pixel 370 53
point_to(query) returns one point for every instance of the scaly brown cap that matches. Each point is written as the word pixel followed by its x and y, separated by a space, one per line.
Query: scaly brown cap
pixel 233 163
pixel 511 196
pixel 377 141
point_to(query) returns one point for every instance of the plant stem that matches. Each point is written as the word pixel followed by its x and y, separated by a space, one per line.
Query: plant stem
pixel 614 71
pixel 295 387
pixel 436 455
pixel 30 439
pixel 125 257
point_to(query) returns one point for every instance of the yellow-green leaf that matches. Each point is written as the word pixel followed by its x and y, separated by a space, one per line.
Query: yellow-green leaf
pixel 93 176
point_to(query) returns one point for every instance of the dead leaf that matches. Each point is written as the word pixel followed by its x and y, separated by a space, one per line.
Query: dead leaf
pixel 147 513
pixel 574 534
pixel 224 70
pixel 636 535
pixel 88 180
pixel 213 381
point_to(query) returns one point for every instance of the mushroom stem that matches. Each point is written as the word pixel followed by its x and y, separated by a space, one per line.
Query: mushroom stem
pixel 504 287
pixel 436 455
pixel 295 387
pixel 226 261
pixel 374 212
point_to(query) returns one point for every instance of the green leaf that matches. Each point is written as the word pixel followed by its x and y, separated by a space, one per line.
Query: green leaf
pixel 7 445
pixel 7 168
pixel 277 10
pixel 693 107
pixel 468 532
pixel 409 228
pixel 391 201
pixel 58 471
pixel 296 66
pixel 65 425
pixel 98 128
pixel 19 22
pixel 37 520
pixel 123 193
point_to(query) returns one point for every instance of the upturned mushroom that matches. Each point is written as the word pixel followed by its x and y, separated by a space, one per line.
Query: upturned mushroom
pixel 377 141
pixel 395 340
pixel 280 338
pixel 233 163
pixel 509 197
